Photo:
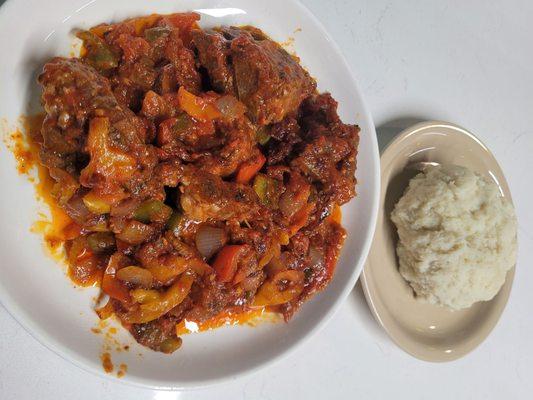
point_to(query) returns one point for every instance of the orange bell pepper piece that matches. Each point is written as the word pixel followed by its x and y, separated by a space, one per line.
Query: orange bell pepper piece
pixel 250 168
pixel 299 219
pixel 336 214
pixel 197 107
pixel 114 287
pixel 71 231
pixel 332 254
pixel 225 264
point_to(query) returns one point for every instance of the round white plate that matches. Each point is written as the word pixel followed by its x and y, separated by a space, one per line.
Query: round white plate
pixel 34 288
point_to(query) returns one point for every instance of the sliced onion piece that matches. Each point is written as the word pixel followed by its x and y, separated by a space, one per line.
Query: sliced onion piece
pixel 136 276
pixel 295 196
pixel 316 257
pixel 135 232
pixel 111 285
pixel 209 240
pixel 125 208
pixel 252 282
pixel 77 210
pixel 230 107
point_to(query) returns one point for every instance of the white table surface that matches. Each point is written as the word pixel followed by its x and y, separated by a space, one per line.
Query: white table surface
pixel 467 62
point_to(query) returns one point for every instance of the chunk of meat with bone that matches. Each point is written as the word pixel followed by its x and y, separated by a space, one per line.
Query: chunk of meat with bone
pixel 108 136
pixel 207 196
pixel 214 53
pixel 238 142
pixel 328 157
pixel 216 146
pixel 283 137
pixel 265 77
pixel 158 335
pixel 72 91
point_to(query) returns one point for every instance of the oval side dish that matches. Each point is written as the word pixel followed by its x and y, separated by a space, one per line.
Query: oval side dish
pixel 426 331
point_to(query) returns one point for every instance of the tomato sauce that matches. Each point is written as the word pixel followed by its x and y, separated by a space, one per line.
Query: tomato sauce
pixel 248 316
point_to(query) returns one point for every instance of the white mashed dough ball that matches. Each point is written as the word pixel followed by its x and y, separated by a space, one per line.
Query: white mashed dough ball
pixel 457 236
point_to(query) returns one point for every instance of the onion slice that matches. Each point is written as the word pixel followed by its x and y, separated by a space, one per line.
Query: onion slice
pixel 230 107
pixel 209 240
pixel 316 257
pixel 136 276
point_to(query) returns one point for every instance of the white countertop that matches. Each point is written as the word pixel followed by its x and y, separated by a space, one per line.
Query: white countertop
pixel 467 62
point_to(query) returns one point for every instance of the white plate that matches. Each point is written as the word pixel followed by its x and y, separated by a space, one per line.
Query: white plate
pixel 34 289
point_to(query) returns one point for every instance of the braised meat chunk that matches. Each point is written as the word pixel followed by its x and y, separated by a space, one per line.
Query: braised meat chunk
pixel 258 70
pixel 200 171
pixel 207 196
pixel 215 56
pixel 88 136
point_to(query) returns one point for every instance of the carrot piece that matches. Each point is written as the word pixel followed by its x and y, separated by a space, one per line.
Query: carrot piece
pixel 336 214
pixel 225 263
pixel 197 107
pixel 283 238
pixel 165 132
pixel 299 219
pixel 113 287
pixel 332 254
pixel 250 168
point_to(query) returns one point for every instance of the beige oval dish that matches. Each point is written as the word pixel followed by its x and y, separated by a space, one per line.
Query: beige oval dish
pixel 426 331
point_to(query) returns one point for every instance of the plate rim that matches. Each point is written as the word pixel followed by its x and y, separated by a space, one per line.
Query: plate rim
pixel 413 130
